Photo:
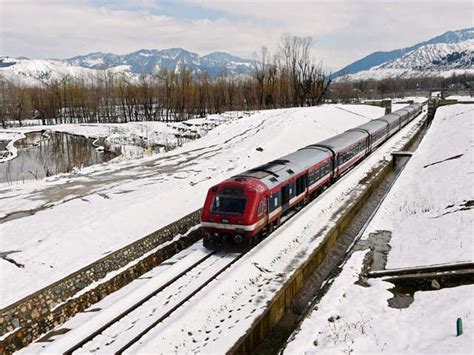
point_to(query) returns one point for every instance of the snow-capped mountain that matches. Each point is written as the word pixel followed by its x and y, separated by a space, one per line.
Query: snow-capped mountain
pixel 32 72
pixel 147 61
pixel 441 59
pixel 143 62
pixel 442 55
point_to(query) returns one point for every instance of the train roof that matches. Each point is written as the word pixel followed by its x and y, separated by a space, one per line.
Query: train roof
pixel 342 141
pixel 391 118
pixel 372 126
pixel 309 156
pixel 277 171
pixel 403 112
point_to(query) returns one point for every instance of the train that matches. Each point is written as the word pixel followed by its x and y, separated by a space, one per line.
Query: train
pixel 247 207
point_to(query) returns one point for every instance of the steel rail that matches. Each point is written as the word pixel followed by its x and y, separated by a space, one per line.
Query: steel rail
pixel 135 306
pixel 179 304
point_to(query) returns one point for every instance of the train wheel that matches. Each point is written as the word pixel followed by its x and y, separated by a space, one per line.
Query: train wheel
pixel 250 242
pixel 271 228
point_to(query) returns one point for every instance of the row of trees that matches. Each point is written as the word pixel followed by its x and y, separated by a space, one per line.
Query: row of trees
pixel 346 91
pixel 289 77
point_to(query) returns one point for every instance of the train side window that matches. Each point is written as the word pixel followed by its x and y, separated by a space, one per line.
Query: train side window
pixel 274 201
pixel 261 207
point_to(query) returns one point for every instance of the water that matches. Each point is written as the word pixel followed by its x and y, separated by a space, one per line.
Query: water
pixel 41 155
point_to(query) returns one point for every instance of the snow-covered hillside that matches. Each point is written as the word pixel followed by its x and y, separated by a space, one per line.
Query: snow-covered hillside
pixel 36 72
pixel 440 59
pixel 380 58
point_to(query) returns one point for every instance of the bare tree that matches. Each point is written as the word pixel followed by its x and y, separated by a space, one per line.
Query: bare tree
pixel 260 73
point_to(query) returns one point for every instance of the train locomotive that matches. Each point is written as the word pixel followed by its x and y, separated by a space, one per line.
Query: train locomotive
pixel 248 206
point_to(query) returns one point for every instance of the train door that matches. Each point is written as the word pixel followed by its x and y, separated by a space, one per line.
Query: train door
pixel 263 209
pixel 336 159
pixel 285 196
pixel 301 184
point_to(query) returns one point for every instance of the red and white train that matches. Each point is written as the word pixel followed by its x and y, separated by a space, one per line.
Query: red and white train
pixel 251 204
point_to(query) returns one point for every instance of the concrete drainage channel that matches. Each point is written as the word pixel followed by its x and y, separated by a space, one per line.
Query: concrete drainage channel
pixel 308 284
pixel 29 318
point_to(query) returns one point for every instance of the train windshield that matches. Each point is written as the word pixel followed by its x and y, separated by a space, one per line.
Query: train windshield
pixel 228 204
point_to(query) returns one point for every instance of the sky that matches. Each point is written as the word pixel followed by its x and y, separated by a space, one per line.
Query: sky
pixel 342 30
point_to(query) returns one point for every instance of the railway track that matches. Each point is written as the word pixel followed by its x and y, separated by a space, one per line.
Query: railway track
pixel 120 332
pixel 117 334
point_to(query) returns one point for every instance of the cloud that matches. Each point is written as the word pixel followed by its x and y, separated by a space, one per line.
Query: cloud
pixel 61 29
pixel 343 30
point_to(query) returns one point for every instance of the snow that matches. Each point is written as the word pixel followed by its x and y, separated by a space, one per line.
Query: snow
pixel 34 72
pixel 37 72
pixel 115 304
pixel 131 137
pixel 380 74
pixel 11 137
pixel 96 206
pixel 427 204
pixel 428 60
pixel 460 98
pixel 94 61
pixel 355 319
pixel 424 58
pixel 352 319
pixel 213 320
pixel 220 314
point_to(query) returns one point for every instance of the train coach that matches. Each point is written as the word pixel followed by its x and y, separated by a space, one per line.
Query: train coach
pixel 250 205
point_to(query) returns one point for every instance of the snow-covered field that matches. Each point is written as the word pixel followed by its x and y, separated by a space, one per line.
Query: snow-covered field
pixel 429 213
pixel 460 98
pixel 431 207
pixel 62 223
pixel 220 314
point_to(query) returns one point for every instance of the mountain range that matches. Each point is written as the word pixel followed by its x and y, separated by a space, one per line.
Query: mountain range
pixel 143 62
pixel 451 52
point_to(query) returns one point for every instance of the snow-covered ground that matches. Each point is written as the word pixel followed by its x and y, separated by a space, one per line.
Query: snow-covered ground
pixel 460 98
pixel 60 224
pixel 352 319
pixel 429 214
pixel 431 207
pixel 218 317
pixel 220 314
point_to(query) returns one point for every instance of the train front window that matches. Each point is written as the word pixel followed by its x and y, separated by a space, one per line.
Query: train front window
pixel 228 204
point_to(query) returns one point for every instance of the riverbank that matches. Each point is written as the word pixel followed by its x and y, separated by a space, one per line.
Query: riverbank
pixel 133 139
